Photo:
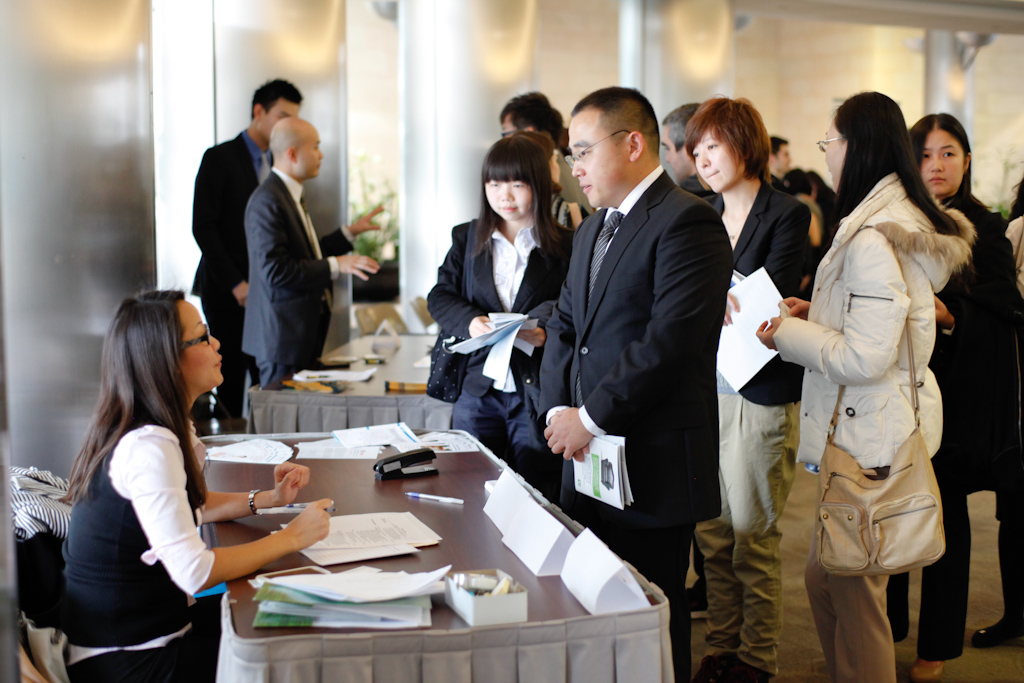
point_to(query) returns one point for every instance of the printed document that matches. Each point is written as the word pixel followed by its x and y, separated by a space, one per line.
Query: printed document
pixel 602 474
pixel 251 451
pixel 376 435
pixel 741 355
pixel 374 529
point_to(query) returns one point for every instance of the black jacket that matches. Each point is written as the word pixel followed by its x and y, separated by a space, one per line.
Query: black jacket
pixel 774 237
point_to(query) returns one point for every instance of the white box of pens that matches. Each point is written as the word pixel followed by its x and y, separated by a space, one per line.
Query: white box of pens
pixel 484 597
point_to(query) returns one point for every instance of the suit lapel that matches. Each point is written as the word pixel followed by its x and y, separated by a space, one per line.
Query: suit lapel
pixel 628 229
pixel 297 227
pixel 244 162
pixel 484 289
pixel 753 222
pixel 537 269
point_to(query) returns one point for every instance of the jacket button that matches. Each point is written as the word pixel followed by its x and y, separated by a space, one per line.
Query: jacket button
pixel 850 412
pixel 529 380
pixel 584 351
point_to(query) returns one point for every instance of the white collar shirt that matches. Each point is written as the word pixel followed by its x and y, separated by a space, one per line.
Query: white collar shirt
pixel 634 195
pixel 510 261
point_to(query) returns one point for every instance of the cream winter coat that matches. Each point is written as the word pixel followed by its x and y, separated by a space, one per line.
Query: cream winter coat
pixel 854 332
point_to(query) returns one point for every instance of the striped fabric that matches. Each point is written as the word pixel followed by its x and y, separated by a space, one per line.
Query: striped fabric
pixel 35 502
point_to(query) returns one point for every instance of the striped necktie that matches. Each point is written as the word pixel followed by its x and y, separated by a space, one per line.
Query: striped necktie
pixel 604 238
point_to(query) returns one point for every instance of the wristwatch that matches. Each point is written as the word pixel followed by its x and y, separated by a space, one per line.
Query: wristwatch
pixel 252 499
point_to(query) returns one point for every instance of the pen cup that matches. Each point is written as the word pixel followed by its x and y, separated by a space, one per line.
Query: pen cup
pixel 483 609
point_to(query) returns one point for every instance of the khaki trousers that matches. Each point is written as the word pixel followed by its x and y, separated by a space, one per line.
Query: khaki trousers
pixel 742 562
pixel 849 612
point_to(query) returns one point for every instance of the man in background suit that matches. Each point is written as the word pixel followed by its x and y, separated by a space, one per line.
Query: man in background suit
pixel 533 111
pixel 227 177
pixel 779 162
pixel 290 268
pixel 632 344
pixel 673 139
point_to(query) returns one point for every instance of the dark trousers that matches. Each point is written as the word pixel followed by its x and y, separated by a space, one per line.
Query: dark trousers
pixel 190 659
pixel 226 318
pixel 502 423
pixel 270 371
pixel 662 556
pixel 944 584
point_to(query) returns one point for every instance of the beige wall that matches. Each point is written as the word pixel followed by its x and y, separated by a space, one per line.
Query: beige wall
pixel 795 72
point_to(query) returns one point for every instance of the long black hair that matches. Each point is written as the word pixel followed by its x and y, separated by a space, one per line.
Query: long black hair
pixel 947 122
pixel 518 158
pixel 141 383
pixel 1017 210
pixel 877 144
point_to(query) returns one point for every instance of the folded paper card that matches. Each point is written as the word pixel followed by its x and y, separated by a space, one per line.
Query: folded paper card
pixel 538 539
pixel 504 502
pixel 599 579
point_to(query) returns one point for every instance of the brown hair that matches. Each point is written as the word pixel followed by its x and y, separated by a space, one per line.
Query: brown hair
pixel 738 125
pixel 140 384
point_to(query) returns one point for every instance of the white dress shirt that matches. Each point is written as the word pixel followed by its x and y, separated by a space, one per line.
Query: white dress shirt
pixel 295 189
pixel 510 261
pixel 624 207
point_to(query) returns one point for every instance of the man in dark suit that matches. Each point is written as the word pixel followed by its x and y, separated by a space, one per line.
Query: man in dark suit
pixel 673 139
pixel 779 163
pixel 227 177
pixel 290 268
pixel 632 343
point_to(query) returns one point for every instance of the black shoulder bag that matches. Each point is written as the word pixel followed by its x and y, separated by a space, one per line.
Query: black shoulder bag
pixel 447 369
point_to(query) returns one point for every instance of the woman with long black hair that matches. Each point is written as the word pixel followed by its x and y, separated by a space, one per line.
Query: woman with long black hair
pixel 134 557
pixel 518 257
pixel 975 363
pixel 893 249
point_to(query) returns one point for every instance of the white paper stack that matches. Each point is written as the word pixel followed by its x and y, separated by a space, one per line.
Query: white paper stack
pixel 252 452
pixel 356 538
pixel 364 597
pixel 375 435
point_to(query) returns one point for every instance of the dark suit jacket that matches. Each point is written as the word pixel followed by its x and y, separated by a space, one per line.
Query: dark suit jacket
pixel 286 280
pixel 645 349
pixel 225 181
pixel 541 284
pixel 692 185
pixel 774 236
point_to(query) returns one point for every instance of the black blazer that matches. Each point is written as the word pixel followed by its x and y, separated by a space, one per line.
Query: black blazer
pixel 775 237
pixel 692 185
pixel 536 297
pixel 644 347
pixel 225 181
pixel 286 280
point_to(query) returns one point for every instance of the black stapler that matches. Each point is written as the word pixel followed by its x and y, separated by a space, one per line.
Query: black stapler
pixel 405 465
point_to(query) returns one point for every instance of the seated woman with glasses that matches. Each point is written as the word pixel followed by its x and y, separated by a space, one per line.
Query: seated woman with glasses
pixel 758 423
pixel 134 556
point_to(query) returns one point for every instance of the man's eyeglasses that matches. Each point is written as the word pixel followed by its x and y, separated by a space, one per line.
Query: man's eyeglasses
pixel 573 159
pixel 823 144
pixel 198 340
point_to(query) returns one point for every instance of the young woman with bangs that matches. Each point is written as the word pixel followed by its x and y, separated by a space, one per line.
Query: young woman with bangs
pixel 518 257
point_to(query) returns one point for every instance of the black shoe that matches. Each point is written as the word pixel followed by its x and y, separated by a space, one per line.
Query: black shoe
pixel 741 672
pixel 997 633
pixel 698 600
pixel 713 668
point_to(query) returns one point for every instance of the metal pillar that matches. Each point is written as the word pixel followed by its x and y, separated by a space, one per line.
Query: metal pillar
pixel 676 51
pixel 459 62
pixel 948 87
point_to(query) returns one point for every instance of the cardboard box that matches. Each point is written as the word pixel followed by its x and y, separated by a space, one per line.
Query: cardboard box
pixel 486 610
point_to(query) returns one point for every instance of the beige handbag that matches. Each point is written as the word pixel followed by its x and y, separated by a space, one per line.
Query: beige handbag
pixel 873 522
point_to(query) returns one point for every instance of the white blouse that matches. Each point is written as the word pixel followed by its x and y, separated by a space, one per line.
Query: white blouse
pixel 510 261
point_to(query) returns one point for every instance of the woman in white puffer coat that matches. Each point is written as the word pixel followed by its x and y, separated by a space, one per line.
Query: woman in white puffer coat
pixel 893 249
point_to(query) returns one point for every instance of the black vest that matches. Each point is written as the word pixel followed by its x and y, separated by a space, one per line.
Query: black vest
pixel 113 598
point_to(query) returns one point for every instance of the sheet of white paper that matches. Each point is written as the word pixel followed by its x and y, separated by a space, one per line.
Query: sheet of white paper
pixel 329 556
pixel 422 362
pixel 500 331
pixel 375 435
pixel 740 354
pixel 538 539
pixel 253 452
pixel 334 375
pixel 366 587
pixel 504 502
pixel 600 474
pixel 598 578
pixel 330 449
pixel 499 357
pixel 440 442
pixel 375 529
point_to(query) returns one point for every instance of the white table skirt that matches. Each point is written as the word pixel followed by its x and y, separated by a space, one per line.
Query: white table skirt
pixel 276 412
pixel 628 647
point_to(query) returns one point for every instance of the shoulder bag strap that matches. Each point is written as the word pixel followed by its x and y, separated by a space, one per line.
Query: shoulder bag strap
pixel 913 379
pixel 467 263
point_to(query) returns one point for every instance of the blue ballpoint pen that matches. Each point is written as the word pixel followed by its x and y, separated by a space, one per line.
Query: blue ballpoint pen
pixel 439 499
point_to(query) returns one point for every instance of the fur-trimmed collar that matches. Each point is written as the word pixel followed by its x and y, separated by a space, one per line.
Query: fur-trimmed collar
pixel 952 250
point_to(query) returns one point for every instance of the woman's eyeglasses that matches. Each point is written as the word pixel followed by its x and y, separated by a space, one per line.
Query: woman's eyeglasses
pixel 823 144
pixel 198 340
